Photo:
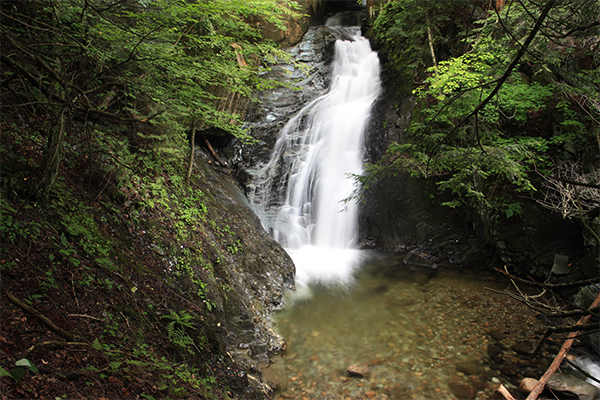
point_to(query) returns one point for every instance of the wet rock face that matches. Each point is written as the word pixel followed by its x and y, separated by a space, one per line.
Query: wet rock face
pixel 248 281
pixel 398 214
pixel 272 108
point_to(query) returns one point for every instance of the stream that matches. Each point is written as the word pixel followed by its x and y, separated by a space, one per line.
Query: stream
pixel 422 335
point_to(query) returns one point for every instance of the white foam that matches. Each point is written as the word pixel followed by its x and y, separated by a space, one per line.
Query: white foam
pixel 325 265
pixel 591 367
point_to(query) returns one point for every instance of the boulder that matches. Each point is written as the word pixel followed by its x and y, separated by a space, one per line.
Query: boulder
pixel 527 385
pixel 571 385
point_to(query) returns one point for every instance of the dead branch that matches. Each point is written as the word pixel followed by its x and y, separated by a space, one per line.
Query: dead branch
pixel 118 117
pixel 505 393
pixel 575 313
pixel 67 335
pixel 214 154
pixel 561 355
pixel 532 282
pixel 571 192
pixel 559 329
pixel 50 343
pixel 84 316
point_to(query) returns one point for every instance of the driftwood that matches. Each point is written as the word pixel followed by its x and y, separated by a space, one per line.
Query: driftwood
pixel 560 356
pixel 505 393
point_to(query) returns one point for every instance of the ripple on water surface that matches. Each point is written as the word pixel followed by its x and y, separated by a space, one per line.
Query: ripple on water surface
pixel 423 335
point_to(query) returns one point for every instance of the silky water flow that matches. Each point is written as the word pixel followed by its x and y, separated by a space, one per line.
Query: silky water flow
pixel 300 194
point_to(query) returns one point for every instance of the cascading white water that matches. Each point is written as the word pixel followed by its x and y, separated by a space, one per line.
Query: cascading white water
pixel 299 194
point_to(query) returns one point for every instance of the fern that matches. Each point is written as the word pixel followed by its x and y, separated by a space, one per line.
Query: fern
pixel 176 330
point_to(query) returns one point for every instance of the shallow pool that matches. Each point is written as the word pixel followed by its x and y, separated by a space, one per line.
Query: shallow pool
pixel 421 333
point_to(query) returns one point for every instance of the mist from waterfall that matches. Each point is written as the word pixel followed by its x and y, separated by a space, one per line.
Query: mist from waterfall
pixel 299 193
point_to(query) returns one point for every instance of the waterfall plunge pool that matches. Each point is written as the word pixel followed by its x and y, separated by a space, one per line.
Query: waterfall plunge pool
pixel 423 334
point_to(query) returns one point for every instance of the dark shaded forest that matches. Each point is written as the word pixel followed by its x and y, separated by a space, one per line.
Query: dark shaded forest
pixel 112 240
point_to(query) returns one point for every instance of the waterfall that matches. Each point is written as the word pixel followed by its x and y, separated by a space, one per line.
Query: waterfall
pixel 299 193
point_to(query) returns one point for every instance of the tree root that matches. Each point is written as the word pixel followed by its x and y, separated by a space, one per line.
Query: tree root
pixel 67 335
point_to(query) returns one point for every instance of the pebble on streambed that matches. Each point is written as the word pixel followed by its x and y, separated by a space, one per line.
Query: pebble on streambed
pixel 358 370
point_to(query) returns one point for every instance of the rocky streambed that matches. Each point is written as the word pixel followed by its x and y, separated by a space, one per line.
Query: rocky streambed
pixel 398 333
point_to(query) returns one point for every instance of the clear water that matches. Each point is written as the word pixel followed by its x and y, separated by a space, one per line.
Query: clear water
pixel 413 329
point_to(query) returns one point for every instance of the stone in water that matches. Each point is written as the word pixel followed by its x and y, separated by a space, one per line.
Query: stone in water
pixel 358 370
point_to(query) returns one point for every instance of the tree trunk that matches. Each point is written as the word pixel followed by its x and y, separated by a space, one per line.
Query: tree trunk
pixel 53 157
pixel 192 148
pixel 430 39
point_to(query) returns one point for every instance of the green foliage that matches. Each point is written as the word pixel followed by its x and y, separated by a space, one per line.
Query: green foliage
pixel 401 29
pixel 169 63
pixel 177 330
pixel 536 112
pixel 20 369
pixel 466 72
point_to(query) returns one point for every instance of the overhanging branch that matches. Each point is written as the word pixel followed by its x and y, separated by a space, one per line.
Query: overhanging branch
pixel 502 79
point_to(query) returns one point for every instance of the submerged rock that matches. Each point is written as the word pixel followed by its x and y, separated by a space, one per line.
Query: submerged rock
pixel 524 348
pixel 414 259
pixel 358 370
pixel 497 335
pixel 462 391
pixel 495 353
pixel 468 368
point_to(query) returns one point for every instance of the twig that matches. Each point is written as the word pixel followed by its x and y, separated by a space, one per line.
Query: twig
pixel 505 393
pixel 84 316
pixel 50 343
pixel 519 299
